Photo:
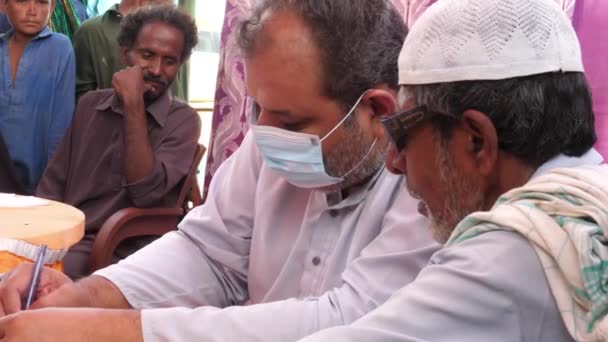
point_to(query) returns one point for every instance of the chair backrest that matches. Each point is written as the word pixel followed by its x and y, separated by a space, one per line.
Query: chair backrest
pixel 8 177
pixel 190 193
pixel 137 222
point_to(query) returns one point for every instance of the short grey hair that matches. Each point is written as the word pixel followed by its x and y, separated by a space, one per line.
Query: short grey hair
pixel 536 117
pixel 359 41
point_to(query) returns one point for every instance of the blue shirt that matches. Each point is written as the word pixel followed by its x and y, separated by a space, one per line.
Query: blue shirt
pixel 36 109
pixel 5 25
pixel 81 10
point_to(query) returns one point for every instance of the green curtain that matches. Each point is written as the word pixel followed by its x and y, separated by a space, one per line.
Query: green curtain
pixel 188 5
pixel 184 72
pixel 64 18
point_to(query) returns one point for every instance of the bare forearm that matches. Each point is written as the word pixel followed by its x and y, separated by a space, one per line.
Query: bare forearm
pixel 139 157
pixel 90 292
pixel 102 293
pixel 112 325
pixel 119 325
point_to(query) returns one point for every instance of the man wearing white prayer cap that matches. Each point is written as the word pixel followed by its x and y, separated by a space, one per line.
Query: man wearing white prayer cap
pixel 495 135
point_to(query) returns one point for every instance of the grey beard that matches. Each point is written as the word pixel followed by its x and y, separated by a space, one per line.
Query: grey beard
pixel 463 196
pixel 351 152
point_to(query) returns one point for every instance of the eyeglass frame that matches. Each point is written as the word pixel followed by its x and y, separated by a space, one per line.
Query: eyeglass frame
pixel 398 125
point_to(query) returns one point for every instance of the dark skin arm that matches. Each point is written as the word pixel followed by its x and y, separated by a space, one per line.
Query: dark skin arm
pixel 139 157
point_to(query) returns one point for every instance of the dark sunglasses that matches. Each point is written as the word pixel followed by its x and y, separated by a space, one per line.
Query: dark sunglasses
pixel 398 126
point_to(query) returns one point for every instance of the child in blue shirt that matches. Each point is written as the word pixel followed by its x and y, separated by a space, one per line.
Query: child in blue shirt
pixel 37 84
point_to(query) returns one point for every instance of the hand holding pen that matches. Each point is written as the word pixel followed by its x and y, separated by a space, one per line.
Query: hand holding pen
pixel 35 280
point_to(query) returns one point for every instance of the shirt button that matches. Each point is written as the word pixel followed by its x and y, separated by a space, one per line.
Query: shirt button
pixel 333 213
pixel 316 261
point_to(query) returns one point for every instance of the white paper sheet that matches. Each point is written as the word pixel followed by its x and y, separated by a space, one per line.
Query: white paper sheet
pixel 15 201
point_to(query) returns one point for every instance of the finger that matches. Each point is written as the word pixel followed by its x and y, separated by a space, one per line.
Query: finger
pixel 54 289
pixel 2 291
pixel 17 285
pixel 13 285
pixel 8 329
pixel 11 301
pixel 64 296
pixel 58 298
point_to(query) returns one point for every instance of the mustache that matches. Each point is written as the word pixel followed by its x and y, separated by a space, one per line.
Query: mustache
pixel 156 79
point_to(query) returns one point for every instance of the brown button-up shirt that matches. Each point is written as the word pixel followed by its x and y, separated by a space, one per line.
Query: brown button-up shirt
pixel 87 169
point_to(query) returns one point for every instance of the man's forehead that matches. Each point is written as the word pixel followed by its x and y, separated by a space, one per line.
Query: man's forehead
pixel 160 31
pixel 286 33
pixel 285 57
pixel 160 36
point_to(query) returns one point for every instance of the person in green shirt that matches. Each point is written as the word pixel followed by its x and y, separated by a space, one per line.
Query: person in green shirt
pixel 97 52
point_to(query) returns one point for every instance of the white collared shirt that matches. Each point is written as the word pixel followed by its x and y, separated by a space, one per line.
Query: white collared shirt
pixel 488 288
pixel 314 260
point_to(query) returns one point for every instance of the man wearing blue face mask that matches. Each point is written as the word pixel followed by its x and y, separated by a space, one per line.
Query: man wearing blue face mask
pixel 298 157
pixel 303 228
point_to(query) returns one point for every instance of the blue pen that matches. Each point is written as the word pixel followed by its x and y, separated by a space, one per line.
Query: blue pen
pixel 33 288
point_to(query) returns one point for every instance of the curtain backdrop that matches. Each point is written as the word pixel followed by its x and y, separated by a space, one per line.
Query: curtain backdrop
pixel 65 18
pixel 230 124
pixel 592 29
pixel 184 72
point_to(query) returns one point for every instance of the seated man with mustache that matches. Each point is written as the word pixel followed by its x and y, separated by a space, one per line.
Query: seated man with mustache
pixel 129 146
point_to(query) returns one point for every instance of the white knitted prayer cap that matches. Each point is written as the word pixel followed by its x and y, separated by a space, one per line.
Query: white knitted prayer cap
pixel 460 40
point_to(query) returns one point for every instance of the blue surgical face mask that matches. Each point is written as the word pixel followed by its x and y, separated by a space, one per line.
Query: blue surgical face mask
pixel 298 157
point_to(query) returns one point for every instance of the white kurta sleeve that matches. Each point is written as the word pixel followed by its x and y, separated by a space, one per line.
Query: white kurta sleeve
pixel 390 261
pixel 489 288
pixel 205 262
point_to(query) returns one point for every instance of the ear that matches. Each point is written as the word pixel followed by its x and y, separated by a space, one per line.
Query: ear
pixel 383 104
pixel 124 52
pixel 53 3
pixel 482 140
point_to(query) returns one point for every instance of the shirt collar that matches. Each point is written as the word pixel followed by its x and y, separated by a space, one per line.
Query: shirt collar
pixel 159 109
pixel 113 11
pixel 42 34
pixel 356 194
pixel 591 157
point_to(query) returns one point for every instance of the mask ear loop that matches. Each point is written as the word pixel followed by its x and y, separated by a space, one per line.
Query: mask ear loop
pixel 362 159
pixel 350 112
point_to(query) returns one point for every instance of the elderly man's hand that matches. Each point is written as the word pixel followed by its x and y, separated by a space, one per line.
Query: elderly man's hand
pixel 15 285
pixel 67 325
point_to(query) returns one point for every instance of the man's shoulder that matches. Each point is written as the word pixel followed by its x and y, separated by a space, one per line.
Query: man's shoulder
pixel 179 104
pixel 90 25
pixel 494 242
pixel 91 99
pixel 92 31
pixel 501 256
pixel 58 41
pixel 182 112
